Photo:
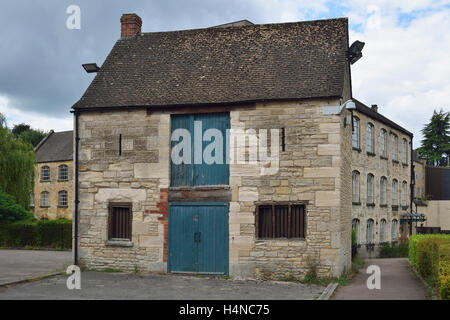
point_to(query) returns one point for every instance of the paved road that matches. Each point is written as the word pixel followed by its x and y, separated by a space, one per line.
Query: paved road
pixel 102 285
pixel 23 264
pixel 397 283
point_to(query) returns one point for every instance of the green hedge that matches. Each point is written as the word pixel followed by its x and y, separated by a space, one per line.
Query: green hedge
pixel 388 250
pixel 430 254
pixel 414 240
pixel 55 234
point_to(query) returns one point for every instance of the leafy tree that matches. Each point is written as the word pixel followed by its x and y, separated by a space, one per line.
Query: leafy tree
pixel 25 133
pixel 436 143
pixel 10 211
pixel 16 167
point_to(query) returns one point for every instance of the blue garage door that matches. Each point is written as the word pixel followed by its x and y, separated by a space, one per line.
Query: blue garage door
pixel 198 237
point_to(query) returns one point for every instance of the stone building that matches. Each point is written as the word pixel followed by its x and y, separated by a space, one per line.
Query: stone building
pixel 253 216
pixel 381 178
pixel 53 184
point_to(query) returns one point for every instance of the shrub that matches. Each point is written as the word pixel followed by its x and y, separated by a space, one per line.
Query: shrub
pixel 10 211
pixel 414 240
pixel 388 250
pixel 428 259
pixel 44 233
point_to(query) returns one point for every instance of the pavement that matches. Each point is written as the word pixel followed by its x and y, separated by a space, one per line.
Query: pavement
pixel 18 265
pixel 397 283
pixel 115 286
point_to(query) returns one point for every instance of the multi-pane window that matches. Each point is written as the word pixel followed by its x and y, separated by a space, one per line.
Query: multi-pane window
pixel 370 138
pixel 45 173
pixel 63 172
pixel 120 221
pixel 355 133
pixel 394 147
pixel 383 143
pixel 404 188
pixel 62 199
pixel 404 151
pixel 32 199
pixel 355 186
pixel 45 199
pixel 281 221
pixel 369 231
pixel 394 230
pixel 370 188
pixel 394 192
pixel 355 226
pixel 382 230
pixel 383 189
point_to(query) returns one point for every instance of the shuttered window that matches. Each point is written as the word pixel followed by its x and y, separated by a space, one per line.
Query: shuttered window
pixel 120 220
pixel 281 221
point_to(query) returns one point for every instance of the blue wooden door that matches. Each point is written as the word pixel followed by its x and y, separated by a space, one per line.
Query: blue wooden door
pixel 198 237
pixel 207 136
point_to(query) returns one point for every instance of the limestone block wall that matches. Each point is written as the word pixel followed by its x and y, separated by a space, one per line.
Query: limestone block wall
pixel 437 213
pixel 379 167
pixel 53 187
pixel 310 170
pixel 140 175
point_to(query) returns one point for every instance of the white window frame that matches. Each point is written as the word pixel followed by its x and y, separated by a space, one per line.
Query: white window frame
pixel 383 191
pixel 356 133
pixel 45 199
pixel 45 173
pixel 370 188
pixel 63 198
pixel 356 186
pixel 62 177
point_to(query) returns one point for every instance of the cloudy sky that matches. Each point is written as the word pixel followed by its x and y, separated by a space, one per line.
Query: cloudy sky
pixel 405 68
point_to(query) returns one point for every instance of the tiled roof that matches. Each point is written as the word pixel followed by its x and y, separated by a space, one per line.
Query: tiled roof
pixel 56 146
pixel 223 66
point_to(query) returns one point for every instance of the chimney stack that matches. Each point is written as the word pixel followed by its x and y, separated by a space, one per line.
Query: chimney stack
pixel 375 107
pixel 131 24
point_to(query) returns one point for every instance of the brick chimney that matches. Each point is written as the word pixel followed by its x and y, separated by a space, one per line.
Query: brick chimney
pixel 375 107
pixel 131 24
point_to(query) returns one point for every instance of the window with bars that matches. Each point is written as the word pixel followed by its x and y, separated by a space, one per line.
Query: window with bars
pixel 45 173
pixel 62 199
pixel 120 221
pixel 63 173
pixel 281 221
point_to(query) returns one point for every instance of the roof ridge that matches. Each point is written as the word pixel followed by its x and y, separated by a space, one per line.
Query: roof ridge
pixel 43 140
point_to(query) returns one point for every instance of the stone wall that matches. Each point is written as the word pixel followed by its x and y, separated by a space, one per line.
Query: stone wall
pixel 53 187
pixel 310 170
pixel 139 175
pixel 379 167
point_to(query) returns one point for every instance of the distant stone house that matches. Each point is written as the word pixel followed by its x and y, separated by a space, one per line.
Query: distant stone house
pixel 53 185
pixel 144 203
pixel 381 178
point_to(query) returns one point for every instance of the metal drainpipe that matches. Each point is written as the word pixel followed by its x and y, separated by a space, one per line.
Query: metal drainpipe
pixel 413 177
pixel 77 139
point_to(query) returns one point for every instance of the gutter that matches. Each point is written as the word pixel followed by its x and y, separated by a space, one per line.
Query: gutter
pixel 77 139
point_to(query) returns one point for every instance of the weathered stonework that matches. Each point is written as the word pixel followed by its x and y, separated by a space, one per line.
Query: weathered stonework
pixel 379 166
pixel 53 187
pixel 310 171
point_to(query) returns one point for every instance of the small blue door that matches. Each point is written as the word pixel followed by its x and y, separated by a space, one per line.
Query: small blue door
pixel 198 237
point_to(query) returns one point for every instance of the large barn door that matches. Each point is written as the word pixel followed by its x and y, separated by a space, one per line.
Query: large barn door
pixel 198 237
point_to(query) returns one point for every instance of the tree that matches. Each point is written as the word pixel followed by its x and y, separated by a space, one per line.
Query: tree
pixel 436 143
pixel 25 133
pixel 16 167
pixel 10 211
